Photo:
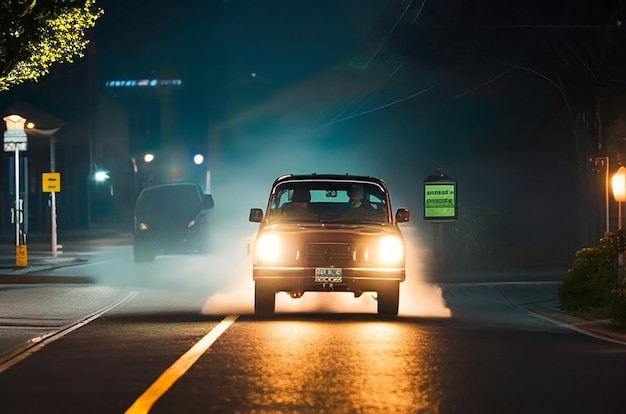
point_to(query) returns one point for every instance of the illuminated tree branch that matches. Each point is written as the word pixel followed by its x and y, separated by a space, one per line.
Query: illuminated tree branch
pixel 35 34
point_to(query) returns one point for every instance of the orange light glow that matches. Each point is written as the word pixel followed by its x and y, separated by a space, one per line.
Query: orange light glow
pixel 618 183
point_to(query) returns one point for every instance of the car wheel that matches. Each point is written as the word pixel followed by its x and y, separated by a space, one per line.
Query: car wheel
pixel 388 299
pixel 143 253
pixel 264 299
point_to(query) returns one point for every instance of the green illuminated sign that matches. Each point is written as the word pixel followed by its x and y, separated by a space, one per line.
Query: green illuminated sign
pixel 440 201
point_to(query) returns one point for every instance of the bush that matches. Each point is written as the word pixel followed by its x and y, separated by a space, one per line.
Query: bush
pixel 593 275
pixel 578 291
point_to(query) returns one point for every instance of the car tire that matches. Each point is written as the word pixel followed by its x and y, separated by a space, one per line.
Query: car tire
pixel 264 299
pixel 388 299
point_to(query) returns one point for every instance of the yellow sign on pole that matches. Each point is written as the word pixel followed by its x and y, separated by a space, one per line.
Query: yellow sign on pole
pixel 51 182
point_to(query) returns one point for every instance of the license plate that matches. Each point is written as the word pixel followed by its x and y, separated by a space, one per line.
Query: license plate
pixel 328 274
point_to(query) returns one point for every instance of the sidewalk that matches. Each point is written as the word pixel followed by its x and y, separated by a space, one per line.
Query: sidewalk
pixel 72 248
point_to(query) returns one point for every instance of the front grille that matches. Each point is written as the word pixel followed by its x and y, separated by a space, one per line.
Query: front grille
pixel 328 254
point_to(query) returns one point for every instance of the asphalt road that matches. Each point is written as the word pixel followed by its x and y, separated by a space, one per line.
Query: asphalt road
pixel 318 363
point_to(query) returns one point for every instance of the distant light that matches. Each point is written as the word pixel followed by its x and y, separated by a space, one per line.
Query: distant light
pixel 101 176
pixel 148 157
pixel 131 83
pixel 198 159
pixel 253 74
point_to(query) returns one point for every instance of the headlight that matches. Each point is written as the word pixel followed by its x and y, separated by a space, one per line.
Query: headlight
pixel 268 247
pixel 143 226
pixel 390 250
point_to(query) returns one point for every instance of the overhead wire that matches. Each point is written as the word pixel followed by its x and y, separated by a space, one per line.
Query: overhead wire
pixel 337 118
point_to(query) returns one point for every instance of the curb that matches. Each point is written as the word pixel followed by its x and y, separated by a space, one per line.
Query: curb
pixel 26 279
pixel 27 275
pixel 602 329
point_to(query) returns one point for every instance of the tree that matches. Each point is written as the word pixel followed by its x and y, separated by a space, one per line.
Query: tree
pixel 35 34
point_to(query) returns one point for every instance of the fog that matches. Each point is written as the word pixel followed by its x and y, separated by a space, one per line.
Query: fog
pixel 235 293
pixel 288 134
pixel 284 136
pixel 334 123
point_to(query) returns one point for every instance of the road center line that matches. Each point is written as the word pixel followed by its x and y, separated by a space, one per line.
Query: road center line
pixel 178 369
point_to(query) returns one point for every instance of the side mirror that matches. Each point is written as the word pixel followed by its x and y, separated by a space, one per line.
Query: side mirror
pixel 207 202
pixel 403 215
pixel 256 215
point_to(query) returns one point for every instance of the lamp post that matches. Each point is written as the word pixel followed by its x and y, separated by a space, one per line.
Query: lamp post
pixel 15 140
pixel 603 162
pixel 50 132
pixel 618 182
pixel 53 201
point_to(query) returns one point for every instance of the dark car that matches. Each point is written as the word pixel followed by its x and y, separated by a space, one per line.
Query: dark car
pixel 171 219
pixel 328 233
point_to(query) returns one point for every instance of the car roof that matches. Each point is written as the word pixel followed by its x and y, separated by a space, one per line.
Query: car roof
pixel 329 177
pixel 163 189
pixel 168 185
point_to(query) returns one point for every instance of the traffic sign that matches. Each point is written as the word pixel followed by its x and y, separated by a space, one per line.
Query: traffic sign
pixel 51 182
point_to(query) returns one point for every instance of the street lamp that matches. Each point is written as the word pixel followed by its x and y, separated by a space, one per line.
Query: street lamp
pixel 618 182
pixel 198 159
pixel 101 176
pixel 15 140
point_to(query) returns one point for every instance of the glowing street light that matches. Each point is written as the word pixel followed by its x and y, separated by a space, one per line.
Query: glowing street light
pixel 101 176
pixel 198 159
pixel 618 182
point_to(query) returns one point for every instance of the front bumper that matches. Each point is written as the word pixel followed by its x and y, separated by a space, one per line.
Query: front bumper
pixel 302 279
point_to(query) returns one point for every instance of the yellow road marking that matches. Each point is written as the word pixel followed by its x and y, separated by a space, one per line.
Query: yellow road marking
pixel 178 369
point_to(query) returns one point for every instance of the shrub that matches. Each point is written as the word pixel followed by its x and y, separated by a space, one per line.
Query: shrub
pixel 593 275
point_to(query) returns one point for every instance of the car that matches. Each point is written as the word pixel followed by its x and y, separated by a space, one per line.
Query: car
pixel 171 219
pixel 328 233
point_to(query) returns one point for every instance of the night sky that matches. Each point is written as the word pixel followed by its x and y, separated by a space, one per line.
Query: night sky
pixel 395 89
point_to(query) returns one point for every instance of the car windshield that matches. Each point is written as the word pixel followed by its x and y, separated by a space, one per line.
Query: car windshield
pixel 169 203
pixel 329 202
